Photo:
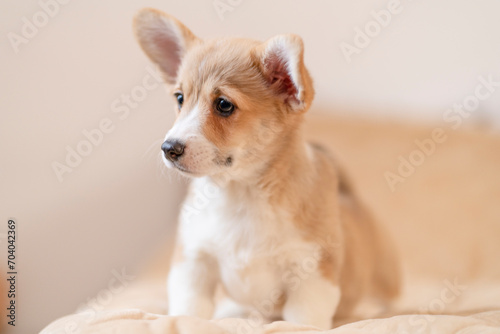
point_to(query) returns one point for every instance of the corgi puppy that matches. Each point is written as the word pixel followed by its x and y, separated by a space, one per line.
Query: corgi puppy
pixel 269 217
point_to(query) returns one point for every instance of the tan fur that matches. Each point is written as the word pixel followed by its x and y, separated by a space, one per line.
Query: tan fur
pixel 272 160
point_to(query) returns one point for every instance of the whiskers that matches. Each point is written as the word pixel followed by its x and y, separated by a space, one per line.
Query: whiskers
pixel 150 152
pixel 154 152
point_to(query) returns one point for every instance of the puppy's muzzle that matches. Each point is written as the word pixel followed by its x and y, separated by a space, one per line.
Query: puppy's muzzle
pixel 173 149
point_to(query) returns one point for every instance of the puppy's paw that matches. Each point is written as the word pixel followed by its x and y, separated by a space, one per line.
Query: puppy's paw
pixel 313 303
pixel 200 308
pixel 227 308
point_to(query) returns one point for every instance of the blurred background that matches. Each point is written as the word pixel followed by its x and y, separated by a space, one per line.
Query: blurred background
pixel 83 115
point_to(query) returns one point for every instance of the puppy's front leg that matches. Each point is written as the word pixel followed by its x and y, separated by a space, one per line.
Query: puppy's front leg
pixel 191 286
pixel 313 301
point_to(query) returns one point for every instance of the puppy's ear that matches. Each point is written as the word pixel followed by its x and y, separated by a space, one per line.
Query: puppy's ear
pixel 282 63
pixel 164 39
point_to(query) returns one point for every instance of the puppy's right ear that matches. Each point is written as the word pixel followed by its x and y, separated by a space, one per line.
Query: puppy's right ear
pixel 164 39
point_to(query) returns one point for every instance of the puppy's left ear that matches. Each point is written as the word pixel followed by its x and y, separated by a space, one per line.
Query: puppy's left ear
pixel 282 64
pixel 164 39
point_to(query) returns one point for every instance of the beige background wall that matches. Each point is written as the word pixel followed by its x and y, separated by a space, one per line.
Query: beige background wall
pixel 116 205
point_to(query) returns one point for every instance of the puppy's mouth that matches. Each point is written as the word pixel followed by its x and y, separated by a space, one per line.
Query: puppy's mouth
pixel 182 168
pixel 194 165
pixel 221 161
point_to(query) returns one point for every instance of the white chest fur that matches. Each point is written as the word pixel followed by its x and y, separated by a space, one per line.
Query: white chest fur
pixel 256 247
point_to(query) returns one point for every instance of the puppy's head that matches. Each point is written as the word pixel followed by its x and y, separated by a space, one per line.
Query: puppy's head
pixel 237 100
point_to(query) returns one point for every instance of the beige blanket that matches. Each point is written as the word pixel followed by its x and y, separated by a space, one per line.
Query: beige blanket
pixel 438 193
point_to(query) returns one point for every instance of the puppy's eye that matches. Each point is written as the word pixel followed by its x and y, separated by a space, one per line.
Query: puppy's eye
pixel 180 99
pixel 224 107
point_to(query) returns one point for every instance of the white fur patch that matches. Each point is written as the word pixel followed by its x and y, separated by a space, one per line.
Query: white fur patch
pixel 199 153
pixel 186 126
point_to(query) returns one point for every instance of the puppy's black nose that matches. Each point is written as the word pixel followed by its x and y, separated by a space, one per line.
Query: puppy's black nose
pixel 172 149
